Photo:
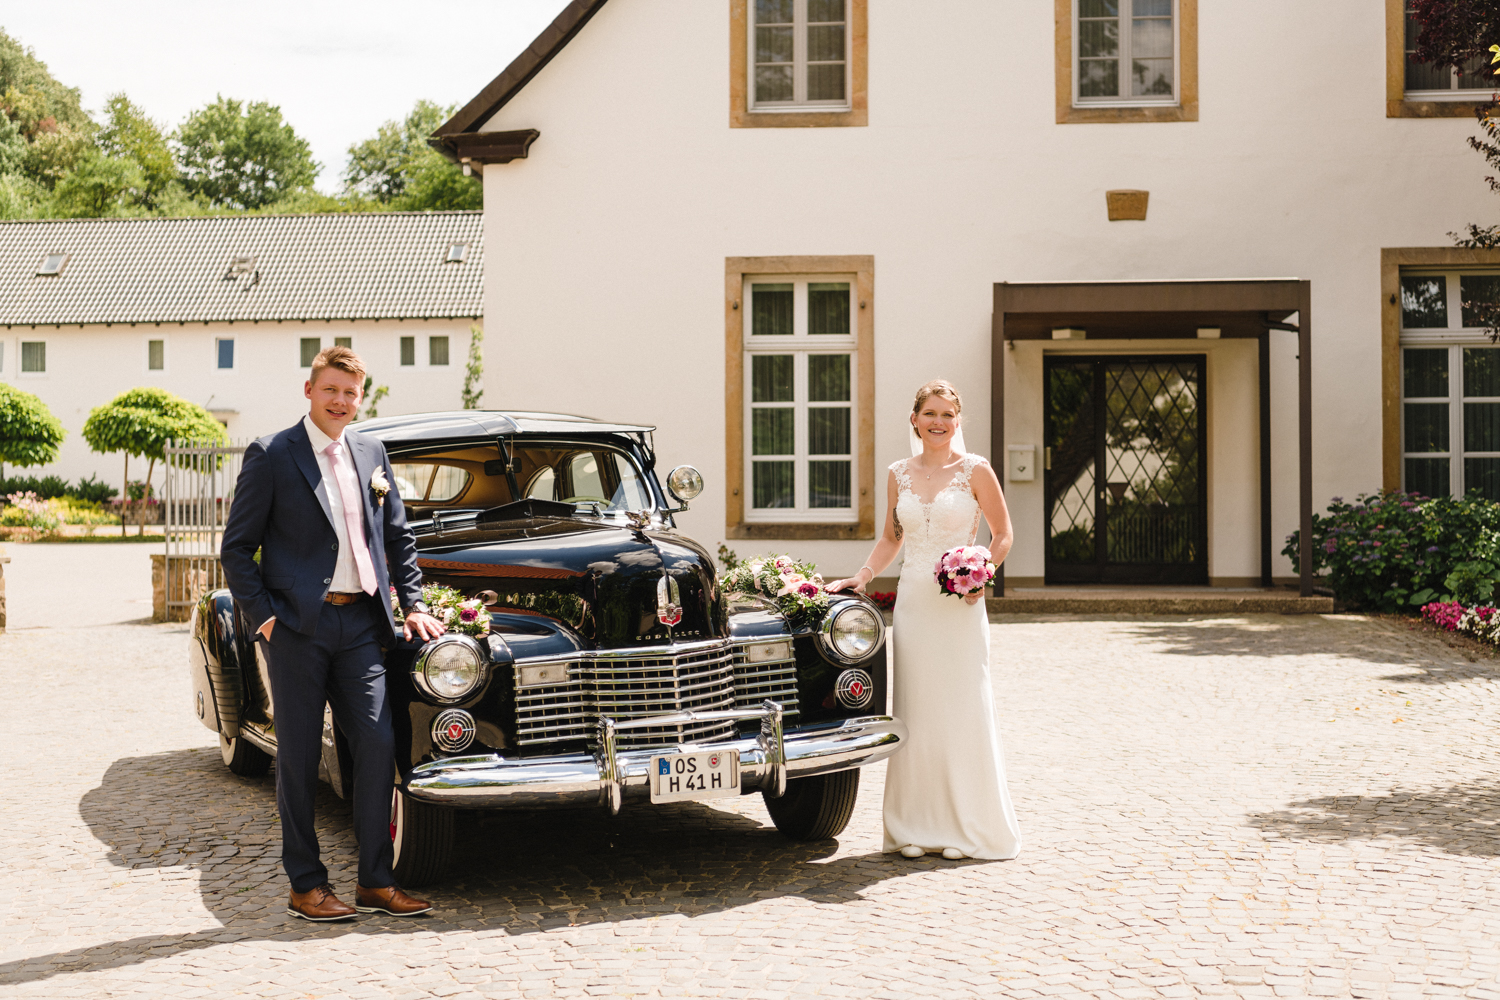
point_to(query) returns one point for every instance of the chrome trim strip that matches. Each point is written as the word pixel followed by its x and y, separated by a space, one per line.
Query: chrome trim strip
pixel 490 781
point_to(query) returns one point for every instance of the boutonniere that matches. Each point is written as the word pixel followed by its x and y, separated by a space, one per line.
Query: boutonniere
pixel 379 485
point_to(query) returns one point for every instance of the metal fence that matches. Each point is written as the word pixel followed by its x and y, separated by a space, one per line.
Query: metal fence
pixel 200 479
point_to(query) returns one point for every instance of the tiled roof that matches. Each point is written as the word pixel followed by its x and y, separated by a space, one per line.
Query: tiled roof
pixel 356 266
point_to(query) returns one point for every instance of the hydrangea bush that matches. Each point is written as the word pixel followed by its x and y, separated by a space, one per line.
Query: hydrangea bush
pixel 30 512
pixel 1398 551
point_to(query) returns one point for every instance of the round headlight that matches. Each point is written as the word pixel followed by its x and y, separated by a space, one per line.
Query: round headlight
pixel 853 632
pixel 685 482
pixel 450 669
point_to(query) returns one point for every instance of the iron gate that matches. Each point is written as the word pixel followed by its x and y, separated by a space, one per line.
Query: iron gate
pixel 200 480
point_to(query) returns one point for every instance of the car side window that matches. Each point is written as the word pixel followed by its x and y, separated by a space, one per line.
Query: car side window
pixel 428 481
pixel 542 484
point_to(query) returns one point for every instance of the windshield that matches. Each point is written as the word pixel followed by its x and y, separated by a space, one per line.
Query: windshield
pixel 590 476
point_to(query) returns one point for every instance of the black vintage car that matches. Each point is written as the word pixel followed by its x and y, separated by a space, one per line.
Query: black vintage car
pixel 615 669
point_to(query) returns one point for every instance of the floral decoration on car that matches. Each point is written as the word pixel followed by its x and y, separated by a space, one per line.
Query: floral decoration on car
pixel 465 616
pixel 796 587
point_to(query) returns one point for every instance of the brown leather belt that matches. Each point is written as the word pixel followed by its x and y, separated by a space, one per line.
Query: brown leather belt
pixel 337 598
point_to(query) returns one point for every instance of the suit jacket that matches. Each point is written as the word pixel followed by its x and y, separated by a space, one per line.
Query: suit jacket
pixel 281 508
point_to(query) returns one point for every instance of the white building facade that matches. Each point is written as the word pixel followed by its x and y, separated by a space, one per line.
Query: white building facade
pixel 761 224
pixel 229 313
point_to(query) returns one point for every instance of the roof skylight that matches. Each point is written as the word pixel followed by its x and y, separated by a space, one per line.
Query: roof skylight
pixel 456 253
pixel 239 266
pixel 53 264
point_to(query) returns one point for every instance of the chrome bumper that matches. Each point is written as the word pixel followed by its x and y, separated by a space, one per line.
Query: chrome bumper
pixel 611 776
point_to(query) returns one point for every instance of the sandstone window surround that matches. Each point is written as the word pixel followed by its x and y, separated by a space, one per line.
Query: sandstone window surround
pixel 1417 90
pixel 1126 60
pixel 799 389
pixel 1421 288
pixel 798 63
pixel 1441 372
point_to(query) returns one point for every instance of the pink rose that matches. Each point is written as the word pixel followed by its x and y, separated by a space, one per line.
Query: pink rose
pixel 808 590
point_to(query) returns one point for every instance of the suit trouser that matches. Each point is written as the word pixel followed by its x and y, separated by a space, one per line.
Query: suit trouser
pixel 343 665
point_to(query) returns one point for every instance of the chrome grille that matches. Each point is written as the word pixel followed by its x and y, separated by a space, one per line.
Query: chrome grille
pixel 755 682
pixel 629 688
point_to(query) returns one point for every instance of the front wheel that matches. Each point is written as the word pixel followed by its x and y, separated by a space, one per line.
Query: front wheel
pixel 421 839
pixel 243 757
pixel 815 808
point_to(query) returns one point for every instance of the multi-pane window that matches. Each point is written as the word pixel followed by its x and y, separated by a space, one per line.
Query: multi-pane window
pixel 156 355
pixel 799 54
pixel 800 371
pixel 1437 82
pixel 1450 384
pixel 33 356
pixel 1126 51
pixel 310 348
pixel 408 351
pixel 437 350
pixel 224 348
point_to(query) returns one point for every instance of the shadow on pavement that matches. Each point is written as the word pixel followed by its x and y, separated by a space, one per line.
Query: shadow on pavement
pixel 1376 642
pixel 521 872
pixel 1460 819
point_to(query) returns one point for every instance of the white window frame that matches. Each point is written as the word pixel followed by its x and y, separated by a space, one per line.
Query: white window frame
pixel 801 345
pixel 402 364
pixel 308 366
pixel 427 357
pixel 146 345
pixel 1122 100
pixel 1453 93
pixel 1454 338
pixel 236 352
pixel 799 101
pixel 21 371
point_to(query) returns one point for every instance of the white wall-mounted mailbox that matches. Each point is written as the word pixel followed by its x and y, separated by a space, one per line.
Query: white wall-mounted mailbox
pixel 1022 465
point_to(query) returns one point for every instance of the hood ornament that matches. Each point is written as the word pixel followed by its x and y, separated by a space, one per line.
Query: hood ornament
pixel 668 601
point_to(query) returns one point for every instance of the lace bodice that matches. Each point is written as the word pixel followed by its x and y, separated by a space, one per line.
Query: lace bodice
pixel 930 529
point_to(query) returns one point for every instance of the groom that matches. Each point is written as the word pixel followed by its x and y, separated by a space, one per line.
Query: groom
pixel 315 502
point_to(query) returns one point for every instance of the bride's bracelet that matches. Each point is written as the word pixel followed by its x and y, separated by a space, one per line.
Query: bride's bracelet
pixel 861 570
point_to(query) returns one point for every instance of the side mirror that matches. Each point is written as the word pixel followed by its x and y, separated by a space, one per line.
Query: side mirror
pixel 684 483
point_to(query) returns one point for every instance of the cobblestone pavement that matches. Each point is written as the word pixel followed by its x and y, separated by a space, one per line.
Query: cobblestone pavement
pixel 1262 806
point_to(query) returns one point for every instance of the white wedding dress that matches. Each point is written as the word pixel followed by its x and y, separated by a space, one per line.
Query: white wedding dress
pixel 946 788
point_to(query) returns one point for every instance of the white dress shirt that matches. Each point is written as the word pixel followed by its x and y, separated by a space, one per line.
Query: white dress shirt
pixel 345 572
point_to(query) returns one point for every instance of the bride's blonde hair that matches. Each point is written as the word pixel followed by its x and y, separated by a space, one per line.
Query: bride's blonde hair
pixel 936 387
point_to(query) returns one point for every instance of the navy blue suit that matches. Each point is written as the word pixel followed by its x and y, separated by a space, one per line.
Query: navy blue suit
pixel 317 651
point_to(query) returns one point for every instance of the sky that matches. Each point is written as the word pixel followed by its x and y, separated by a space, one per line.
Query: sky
pixel 337 70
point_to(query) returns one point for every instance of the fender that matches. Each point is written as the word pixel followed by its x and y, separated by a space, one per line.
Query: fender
pixel 216 641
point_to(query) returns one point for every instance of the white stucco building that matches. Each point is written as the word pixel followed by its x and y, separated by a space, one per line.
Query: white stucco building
pixel 229 312
pixel 760 224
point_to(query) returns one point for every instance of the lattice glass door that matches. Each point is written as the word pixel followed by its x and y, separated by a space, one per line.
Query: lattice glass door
pixel 1142 422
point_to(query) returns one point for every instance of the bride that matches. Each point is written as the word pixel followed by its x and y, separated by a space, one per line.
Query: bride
pixel 945 791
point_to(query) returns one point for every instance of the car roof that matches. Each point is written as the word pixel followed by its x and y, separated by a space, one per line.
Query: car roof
pixel 450 425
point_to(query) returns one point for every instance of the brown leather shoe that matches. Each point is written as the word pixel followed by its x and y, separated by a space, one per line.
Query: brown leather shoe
pixel 390 899
pixel 319 903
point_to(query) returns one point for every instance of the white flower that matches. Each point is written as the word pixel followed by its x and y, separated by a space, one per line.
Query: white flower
pixel 379 483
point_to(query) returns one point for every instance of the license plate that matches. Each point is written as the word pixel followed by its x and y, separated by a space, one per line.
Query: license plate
pixel 682 777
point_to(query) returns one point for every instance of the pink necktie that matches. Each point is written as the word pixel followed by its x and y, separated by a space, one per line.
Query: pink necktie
pixel 349 491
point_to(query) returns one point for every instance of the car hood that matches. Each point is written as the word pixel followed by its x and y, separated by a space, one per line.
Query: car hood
pixel 601 583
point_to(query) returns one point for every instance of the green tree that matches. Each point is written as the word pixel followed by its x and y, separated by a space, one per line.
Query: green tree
pixel 399 170
pixel 29 433
pixel 142 421
pixel 474 370
pixel 240 155
pixel 29 90
pixel 130 136
pixel 100 186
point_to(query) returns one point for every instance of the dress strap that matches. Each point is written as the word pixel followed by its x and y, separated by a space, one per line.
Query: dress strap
pixel 903 477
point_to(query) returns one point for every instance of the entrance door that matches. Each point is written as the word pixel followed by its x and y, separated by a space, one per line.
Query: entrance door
pixel 1125 473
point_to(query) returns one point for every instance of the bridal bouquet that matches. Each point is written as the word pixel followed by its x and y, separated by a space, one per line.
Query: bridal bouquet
pixel 465 616
pixel 796 587
pixel 964 570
